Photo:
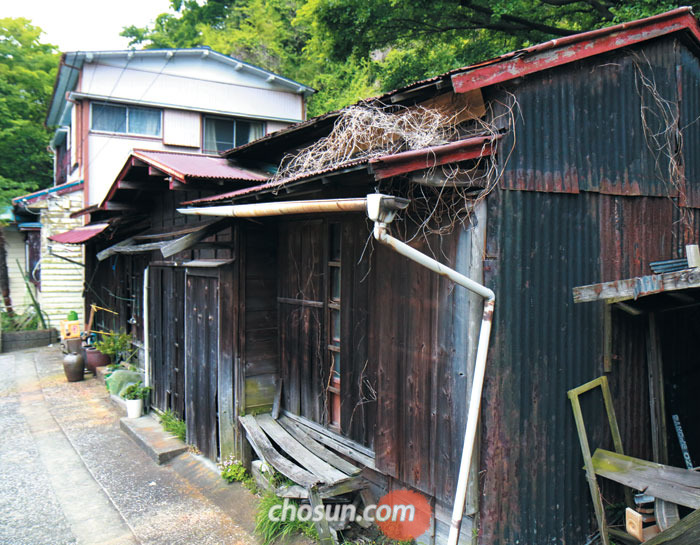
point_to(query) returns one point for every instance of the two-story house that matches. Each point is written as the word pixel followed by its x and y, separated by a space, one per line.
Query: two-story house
pixel 106 103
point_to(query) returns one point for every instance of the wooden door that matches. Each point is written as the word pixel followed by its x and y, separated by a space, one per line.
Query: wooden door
pixel 201 359
pixel 166 307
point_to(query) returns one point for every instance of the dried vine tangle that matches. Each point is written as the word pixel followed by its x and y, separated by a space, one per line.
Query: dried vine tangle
pixel 367 131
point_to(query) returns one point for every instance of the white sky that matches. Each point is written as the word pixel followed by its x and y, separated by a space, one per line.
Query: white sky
pixel 88 25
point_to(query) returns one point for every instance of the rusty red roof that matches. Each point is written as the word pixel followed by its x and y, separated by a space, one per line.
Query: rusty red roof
pixel 80 234
pixel 384 166
pixel 184 166
pixel 519 63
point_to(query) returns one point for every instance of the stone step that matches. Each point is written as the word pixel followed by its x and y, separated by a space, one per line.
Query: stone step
pixel 147 432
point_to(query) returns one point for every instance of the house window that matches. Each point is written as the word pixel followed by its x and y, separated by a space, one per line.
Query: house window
pixel 221 134
pixel 333 301
pixel 126 119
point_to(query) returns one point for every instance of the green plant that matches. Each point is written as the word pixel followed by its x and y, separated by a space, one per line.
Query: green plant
pixel 136 391
pixel 172 424
pixel 272 530
pixel 114 344
pixel 20 322
pixel 234 471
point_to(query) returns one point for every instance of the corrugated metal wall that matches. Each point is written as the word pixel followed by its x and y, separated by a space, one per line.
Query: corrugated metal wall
pixel 583 200
pixel 581 128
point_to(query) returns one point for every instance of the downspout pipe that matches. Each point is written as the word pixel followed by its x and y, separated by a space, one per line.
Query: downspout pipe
pixel 381 210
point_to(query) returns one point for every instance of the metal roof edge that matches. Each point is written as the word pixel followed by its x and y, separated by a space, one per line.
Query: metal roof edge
pixel 73 186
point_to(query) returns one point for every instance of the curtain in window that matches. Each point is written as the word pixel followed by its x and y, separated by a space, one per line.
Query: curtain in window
pixel 110 118
pixel 144 121
pixel 247 131
pixel 218 134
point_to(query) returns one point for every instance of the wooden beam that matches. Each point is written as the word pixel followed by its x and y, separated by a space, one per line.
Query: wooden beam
pixel 317 448
pixel 657 401
pixel 120 206
pixel 633 288
pixel 264 449
pixel 686 532
pixel 336 442
pixel 672 484
pixel 153 171
pixel 141 186
pixel 294 449
pixel 188 241
pixel 176 185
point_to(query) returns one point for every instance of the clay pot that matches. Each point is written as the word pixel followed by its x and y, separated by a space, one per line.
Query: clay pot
pixel 96 359
pixel 72 345
pixel 73 367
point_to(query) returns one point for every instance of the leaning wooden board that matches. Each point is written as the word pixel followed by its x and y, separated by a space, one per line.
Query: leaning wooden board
pixel 264 449
pixel 686 532
pixel 672 484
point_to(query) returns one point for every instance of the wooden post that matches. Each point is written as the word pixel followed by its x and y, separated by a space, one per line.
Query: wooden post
pixel 324 532
pixel 590 472
pixel 657 403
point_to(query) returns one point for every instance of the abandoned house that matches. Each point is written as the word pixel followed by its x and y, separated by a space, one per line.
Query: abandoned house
pixel 564 165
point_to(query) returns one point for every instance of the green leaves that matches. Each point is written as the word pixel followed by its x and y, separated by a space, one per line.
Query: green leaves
pixel 352 49
pixel 27 71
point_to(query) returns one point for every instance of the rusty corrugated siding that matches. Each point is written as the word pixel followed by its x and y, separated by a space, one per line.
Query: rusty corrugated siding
pixel 581 128
pixel 689 109
pixel 582 200
pixel 543 345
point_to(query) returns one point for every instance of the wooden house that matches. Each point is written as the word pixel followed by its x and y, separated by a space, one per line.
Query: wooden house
pixel 568 163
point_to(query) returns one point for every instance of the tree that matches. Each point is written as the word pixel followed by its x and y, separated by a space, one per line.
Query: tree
pixel 27 71
pixel 421 38
pixel 351 49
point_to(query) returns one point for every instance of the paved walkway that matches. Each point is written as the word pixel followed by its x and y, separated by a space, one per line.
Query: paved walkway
pixel 68 474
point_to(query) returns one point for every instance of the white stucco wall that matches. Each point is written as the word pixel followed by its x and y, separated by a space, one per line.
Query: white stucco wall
pixel 192 84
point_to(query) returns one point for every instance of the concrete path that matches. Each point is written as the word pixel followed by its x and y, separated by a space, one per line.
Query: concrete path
pixel 68 474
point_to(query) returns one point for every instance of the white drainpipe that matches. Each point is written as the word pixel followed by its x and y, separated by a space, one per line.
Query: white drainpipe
pixel 382 212
pixel 282 208
pixel 381 209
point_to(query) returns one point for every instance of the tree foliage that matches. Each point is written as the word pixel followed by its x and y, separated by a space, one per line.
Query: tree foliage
pixel 27 70
pixel 350 49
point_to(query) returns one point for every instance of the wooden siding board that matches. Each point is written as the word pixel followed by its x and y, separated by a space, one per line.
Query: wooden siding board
pixel 357 371
pixel 387 323
pixel 202 362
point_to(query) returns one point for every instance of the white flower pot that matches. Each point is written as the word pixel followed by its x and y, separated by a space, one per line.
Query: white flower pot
pixel 134 408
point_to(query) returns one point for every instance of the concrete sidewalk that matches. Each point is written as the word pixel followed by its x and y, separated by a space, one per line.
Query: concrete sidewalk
pixel 68 474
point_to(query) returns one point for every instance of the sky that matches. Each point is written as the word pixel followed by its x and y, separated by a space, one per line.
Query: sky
pixel 88 25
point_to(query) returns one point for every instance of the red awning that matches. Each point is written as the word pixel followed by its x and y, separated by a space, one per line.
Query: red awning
pixel 80 234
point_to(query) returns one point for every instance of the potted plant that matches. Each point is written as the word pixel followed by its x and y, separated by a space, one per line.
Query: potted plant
pixel 109 349
pixel 134 394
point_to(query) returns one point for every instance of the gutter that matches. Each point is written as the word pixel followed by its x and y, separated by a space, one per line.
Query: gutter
pixel 381 209
pixel 55 189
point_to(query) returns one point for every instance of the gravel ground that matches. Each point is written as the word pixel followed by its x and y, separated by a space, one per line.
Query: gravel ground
pixel 69 475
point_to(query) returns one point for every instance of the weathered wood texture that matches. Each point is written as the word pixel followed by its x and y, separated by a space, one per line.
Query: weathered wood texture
pixel 422 336
pixel 259 328
pixel 228 346
pixel 302 352
pixel 672 484
pixel 167 338
pixel 201 361
pixel 686 532
pixel 406 350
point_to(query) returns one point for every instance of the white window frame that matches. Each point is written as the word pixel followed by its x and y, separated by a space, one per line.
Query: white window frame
pixel 234 120
pixel 128 107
